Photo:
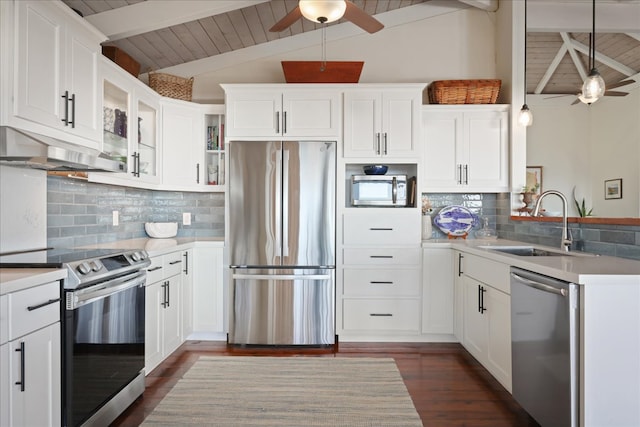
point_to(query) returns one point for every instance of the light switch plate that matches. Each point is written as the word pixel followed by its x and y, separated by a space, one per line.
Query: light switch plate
pixel 186 218
pixel 116 218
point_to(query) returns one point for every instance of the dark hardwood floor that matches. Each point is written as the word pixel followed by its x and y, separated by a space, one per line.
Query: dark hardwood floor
pixel 447 385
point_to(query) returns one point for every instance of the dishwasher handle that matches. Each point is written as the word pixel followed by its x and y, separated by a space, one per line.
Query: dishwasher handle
pixel 540 286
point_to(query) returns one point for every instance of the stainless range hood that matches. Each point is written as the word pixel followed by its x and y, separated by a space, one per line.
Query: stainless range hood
pixel 21 148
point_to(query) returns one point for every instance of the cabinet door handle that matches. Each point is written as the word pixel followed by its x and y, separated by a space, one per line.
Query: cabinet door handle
pixel 380 314
pixel 380 229
pixel 284 122
pixel 459 174
pixel 168 294
pixel 380 283
pixel 481 308
pixel 466 174
pixel 197 173
pixel 460 272
pixel 73 111
pixel 378 143
pixel 381 256
pixel 164 295
pixel 186 263
pixel 21 382
pixel 66 107
pixel 154 269
pixel 178 261
pixel 385 144
pixel 44 304
pixel 277 121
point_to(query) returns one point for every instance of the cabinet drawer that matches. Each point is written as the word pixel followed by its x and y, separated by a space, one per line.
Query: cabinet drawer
pixel 381 315
pixel 396 227
pixel 382 282
pixel 33 308
pixel 487 271
pixel 173 264
pixel 387 257
pixel 155 271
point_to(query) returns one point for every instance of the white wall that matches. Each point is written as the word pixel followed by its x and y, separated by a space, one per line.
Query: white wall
pixel 456 45
pixel 583 146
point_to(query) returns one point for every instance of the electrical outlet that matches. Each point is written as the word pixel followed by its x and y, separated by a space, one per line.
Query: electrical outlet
pixel 116 218
pixel 186 218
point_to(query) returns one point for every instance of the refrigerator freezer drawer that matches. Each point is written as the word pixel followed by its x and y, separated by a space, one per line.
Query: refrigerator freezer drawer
pixel 284 308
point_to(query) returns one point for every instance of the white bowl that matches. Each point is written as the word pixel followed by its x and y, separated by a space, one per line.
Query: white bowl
pixel 161 230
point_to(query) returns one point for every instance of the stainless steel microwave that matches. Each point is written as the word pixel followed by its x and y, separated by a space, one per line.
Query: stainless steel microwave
pixel 379 190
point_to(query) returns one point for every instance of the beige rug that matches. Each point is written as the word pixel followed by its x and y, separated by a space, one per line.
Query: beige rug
pixel 288 391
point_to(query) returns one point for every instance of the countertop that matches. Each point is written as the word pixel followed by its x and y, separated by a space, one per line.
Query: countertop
pixel 17 279
pixel 576 267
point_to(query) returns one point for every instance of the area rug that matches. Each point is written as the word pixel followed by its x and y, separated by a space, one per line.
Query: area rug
pixel 288 391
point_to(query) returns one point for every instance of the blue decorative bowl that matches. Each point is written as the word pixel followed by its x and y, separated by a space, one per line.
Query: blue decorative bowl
pixel 375 169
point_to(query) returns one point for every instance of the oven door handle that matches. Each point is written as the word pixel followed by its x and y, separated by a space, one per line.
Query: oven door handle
pixel 102 290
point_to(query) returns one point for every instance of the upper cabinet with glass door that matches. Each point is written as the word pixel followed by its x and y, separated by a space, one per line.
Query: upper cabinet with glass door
pixel 130 127
pixel 214 149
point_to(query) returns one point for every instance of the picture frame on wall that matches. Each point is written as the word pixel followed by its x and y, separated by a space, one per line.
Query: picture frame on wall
pixel 613 189
pixel 534 180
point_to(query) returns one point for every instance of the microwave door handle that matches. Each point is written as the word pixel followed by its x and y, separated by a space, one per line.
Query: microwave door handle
pixel 394 190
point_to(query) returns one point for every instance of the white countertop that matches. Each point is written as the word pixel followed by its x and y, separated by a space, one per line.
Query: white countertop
pixel 17 279
pixel 576 267
pixel 155 247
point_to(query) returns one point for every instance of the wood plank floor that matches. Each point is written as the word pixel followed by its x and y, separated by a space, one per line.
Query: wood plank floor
pixel 447 385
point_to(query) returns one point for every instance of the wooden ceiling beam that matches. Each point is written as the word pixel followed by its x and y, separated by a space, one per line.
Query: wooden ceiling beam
pixel 151 15
pixel 576 16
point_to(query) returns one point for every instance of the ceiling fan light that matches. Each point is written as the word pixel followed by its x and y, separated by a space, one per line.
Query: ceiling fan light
pixel 593 87
pixel 322 11
pixel 525 118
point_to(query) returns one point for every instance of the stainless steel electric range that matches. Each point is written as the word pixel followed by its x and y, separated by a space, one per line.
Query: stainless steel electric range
pixel 103 323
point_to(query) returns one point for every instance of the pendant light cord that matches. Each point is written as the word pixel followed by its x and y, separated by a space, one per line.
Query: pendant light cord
pixel 323 64
pixel 525 51
pixel 593 35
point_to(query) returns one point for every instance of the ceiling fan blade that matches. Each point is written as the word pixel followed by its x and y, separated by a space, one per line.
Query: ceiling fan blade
pixel 361 18
pixel 286 22
pixel 615 93
pixel 620 84
pixel 576 101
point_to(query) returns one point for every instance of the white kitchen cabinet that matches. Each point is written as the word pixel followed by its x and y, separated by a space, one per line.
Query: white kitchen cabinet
pixel 382 123
pixel 458 297
pixel 182 152
pixel 465 148
pixel 208 292
pixel 187 293
pixel 437 291
pixel 30 359
pixel 282 111
pixel 130 127
pixel 56 72
pixel 213 143
pixel 163 326
pixel 381 274
pixel 487 315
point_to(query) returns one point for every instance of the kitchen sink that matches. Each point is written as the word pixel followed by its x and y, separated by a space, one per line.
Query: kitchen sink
pixel 526 251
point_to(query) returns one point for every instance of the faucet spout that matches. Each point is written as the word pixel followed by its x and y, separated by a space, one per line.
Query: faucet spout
pixel 566 239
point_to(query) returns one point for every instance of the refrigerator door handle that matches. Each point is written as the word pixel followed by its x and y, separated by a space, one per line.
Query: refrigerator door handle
pixel 278 206
pixel 285 203
pixel 282 276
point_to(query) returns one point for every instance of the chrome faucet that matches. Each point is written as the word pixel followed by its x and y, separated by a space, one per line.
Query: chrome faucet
pixel 566 241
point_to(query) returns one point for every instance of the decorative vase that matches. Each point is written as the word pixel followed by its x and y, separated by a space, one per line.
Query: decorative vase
pixel 426 227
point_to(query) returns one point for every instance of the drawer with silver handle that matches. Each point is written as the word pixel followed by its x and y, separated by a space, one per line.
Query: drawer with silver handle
pixel 404 282
pixel 381 315
pixel 386 257
pixel 33 308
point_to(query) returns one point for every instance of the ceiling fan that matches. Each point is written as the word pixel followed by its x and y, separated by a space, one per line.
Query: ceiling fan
pixel 325 11
pixel 609 92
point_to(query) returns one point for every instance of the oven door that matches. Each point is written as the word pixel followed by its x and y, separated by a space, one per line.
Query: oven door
pixel 103 343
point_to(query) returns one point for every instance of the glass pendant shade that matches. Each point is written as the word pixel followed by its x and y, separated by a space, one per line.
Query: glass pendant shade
pixel 525 118
pixel 322 11
pixel 593 87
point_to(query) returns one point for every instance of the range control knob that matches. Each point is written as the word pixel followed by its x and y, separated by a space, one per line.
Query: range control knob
pixel 136 256
pixel 95 265
pixel 83 268
pixel 143 255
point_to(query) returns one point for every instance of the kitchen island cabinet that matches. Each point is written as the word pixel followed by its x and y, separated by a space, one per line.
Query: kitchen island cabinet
pixel 52 89
pixel 437 292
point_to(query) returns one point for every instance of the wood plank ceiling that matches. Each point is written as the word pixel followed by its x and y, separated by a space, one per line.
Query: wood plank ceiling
pixel 557 62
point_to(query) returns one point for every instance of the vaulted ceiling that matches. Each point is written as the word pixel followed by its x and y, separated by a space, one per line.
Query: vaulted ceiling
pixel 166 33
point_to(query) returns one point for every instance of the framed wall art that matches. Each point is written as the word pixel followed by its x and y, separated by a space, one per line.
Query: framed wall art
pixel 534 180
pixel 613 189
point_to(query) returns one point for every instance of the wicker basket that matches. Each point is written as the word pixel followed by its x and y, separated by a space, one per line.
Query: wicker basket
pixel 171 86
pixel 464 91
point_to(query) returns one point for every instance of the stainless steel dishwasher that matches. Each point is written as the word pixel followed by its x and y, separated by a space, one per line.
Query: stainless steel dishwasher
pixel 545 347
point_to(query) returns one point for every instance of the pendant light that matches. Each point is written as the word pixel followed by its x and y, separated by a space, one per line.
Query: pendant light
pixel 593 87
pixel 525 118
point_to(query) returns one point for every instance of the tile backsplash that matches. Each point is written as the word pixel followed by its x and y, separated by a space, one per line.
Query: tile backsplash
pixel 80 213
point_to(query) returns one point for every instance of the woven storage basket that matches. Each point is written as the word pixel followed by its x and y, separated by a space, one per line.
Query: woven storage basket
pixel 464 91
pixel 171 86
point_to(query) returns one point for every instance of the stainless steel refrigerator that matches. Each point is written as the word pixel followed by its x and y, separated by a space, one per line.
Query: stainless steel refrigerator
pixel 282 213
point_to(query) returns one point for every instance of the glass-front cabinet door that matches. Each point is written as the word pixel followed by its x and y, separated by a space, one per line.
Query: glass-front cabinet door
pixel 116 110
pixel 146 139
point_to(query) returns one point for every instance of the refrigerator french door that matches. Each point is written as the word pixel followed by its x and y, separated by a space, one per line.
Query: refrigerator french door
pixel 282 242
